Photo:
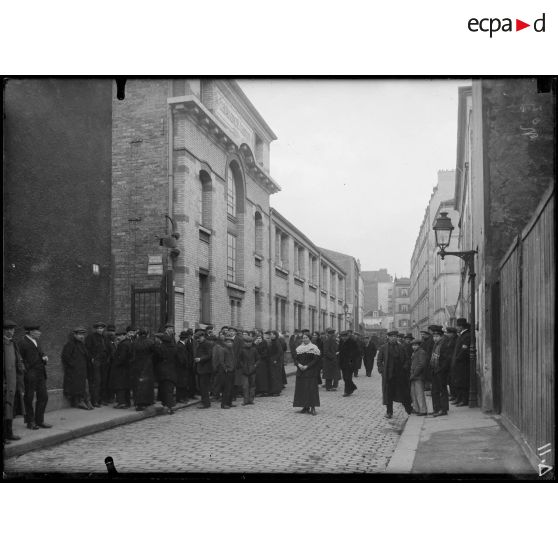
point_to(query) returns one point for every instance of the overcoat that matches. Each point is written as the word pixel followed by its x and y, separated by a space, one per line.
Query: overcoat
pixel 238 344
pixel 306 385
pixel 370 351
pixel 143 372
pixel 165 360
pixel 13 376
pixel 78 365
pixel 349 354
pixel 392 361
pixel 247 360
pixel 204 353
pixel 120 365
pixel 418 364
pixel 460 360
pixel 183 364
pixel 262 367
pixel 428 345
pixel 275 366
pixel 99 351
pixel 330 362
pixel 32 358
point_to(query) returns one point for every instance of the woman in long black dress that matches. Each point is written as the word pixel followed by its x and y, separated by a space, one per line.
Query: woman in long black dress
pixel 275 364
pixel 262 365
pixel 306 386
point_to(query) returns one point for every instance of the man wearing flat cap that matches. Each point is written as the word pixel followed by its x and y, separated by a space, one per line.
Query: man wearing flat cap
pixel 97 346
pixel 392 365
pixel 204 368
pixel 330 361
pixel 460 363
pixel 13 378
pixel 34 378
pixel 77 365
pixel 440 362
pixel 349 353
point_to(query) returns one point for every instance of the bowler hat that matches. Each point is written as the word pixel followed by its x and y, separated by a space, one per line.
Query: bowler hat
pixel 393 333
pixel 99 324
pixel 32 327
pixel 451 330
pixel 462 322
pixel 9 324
pixel 111 327
pixel 168 324
pixel 437 330
pixel 416 342
pixel 183 334
pixel 80 330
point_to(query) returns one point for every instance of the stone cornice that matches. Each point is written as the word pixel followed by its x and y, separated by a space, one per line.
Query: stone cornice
pixel 194 109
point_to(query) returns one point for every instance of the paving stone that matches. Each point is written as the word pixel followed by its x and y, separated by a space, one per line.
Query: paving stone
pixel 348 434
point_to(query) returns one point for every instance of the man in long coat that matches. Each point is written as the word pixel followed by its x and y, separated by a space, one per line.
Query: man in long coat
pixel 165 368
pixel 440 363
pixel 142 371
pixel 349 353
pixel 460 363
pixel 13 378
pixel 392 365
pixel 120 368
pixel 77 364
pixel 427 345
pixel 183 364
pixel 330 361
pixel 370 351
pixel 34 378
pixel 204 367
pixel 96 345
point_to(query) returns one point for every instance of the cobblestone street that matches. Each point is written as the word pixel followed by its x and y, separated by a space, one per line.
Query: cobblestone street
pixel 348 435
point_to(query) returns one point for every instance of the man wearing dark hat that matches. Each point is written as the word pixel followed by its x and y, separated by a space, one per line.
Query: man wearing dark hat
pixel 222 362
pixel 183 363
pixel 34 378
pixel 440 362
pixel 330 361
pixel 418 365
pixel 349 353
pixel 450 338
pixel 369 355
pixel 13 379
pixel 427 345
pixel 120 368
pixel 392 365
pixel 460 363
pixel 96 345
pixel 77 365
pixel 165 369
pixel 204 368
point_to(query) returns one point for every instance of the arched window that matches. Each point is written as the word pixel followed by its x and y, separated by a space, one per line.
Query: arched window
pixel 206 193
pixel 235 190
pixel 258 222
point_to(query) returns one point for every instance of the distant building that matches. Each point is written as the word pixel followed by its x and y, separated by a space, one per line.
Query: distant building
pixel 376 286
pixel 426 270
pixel 401 304
pixel 354 288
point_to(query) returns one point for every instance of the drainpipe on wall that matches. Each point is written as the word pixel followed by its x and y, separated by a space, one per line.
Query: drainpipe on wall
pixel 170 172
pixel 271 259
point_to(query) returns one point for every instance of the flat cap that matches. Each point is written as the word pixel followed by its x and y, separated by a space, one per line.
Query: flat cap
pixel 393 333
pixel 79 329
pixel 9 324
pixel 416 342
pixel 32 327
pixel 451 330
pixel 168 324
pixel 120 332
pixel 426 332
pixel 330 330
pixel 183 334
pixel 437 329
pixel 111 327
pixel 131 328
pixel 99 324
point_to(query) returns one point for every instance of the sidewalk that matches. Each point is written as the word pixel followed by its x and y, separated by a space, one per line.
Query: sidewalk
pixel 465 442
pixel 69 423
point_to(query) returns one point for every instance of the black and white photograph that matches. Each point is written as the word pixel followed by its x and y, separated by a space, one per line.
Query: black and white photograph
pixel 234 276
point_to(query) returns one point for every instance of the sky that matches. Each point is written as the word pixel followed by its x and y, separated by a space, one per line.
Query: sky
pixel 357 159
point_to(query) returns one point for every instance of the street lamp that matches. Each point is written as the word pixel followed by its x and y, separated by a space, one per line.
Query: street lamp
pixel 442 231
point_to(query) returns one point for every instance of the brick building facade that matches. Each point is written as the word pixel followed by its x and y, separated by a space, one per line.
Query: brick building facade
pixel 191 157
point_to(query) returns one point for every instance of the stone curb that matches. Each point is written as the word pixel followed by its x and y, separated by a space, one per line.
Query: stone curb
pixel 60 437
pixel 403 457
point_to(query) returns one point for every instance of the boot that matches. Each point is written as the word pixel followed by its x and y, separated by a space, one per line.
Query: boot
pixel 8 425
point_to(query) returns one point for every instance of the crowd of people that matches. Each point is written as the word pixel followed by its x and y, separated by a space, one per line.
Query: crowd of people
pixel 106 366
pixel 410 367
